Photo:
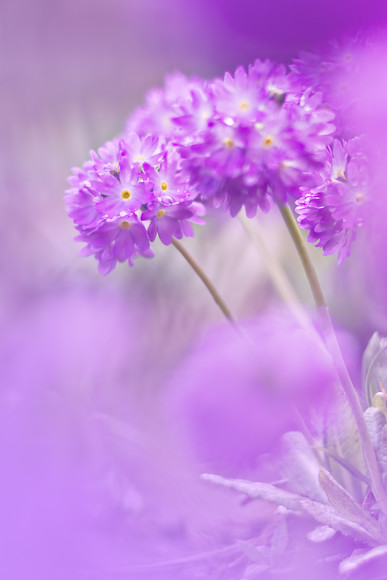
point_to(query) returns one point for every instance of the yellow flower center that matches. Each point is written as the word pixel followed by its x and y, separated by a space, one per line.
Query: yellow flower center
pixel 125 194
pixel 229 143
pixel 244 106
pixel 125 225
pixel 160 213
pixel 268 141
pixel 164 185
pixel 340 174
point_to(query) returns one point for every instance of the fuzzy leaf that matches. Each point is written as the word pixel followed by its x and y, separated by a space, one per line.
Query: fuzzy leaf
pixel 326 515
pixel 383 451
pixel 374 365
pixel 254 571
pixel 321 534
pixel 361 557
pixel 346 506
pixel 258 490
pixel 256 554
pixel 322 513
pixel 342 439
pixel 350 468
pixel 375 421
pixel 300 467
pixel 279 539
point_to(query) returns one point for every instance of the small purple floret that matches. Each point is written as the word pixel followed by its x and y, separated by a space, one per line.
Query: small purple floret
pixel 335 210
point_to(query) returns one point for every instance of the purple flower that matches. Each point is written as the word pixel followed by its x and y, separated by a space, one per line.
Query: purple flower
pixel 196 112
pixel 335 209
pixel 125 193
pixel 238 98
pixel 82 206
pixel 265 129
pixel 258 127
pixel 107 159
pixel 162 106
pixel 146 150
pixel 168 181
pixel 116 240
pixel 130 187
pixel 169 221
pixel 231 143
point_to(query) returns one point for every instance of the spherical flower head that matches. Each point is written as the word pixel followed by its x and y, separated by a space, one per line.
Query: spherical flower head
pixel 231 143
pixel 133 191
pixel 258 125
pixel 335 209
pixel 265 129
pixel 104 206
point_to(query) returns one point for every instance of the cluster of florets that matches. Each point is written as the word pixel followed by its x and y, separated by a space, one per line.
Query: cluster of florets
pixel 131 192
pixel 244 140
pixel 335 209
pixel 259 136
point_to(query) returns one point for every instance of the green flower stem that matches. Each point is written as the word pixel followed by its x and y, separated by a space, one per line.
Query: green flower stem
pixel 337 357
pixel 298 240
pixel 205 279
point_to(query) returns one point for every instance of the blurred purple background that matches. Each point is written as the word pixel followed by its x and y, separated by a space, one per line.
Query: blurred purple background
pixel 76 347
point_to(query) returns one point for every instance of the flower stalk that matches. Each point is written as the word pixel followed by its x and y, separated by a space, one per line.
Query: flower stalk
pixel 205 279
pixel 337 358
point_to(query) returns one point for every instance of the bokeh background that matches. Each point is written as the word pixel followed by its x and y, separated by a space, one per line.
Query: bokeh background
pixel 92 479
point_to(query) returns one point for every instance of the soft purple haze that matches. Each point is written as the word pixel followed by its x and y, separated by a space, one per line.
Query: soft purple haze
pixel 93 482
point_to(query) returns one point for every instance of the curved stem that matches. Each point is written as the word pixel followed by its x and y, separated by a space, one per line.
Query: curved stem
pixel 338 361
pixel 205 279
pixel 298 240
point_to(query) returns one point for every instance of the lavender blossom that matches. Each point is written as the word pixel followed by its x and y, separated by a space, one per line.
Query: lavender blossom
pixel 335 210
pixel 119 197
pixel 239 142
pixel 252 136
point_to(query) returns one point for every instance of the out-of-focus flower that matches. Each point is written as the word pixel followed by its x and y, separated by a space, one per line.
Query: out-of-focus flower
pixel 234 399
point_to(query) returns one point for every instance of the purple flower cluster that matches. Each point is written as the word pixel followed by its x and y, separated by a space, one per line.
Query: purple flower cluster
pixel 129 193
pixel 335 209
pixel 244 139
pixel 241 141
